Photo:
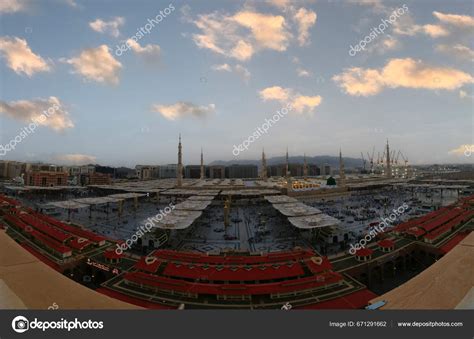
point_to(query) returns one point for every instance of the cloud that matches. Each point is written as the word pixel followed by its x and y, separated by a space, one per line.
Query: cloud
pixel 108 27
pixel 281 4
pixel 302 73
pixel 223 67
pixel 303 103
pixel 435 31
pixel 275 93
pixel 455 19
pixel 240 70
pixel 71 3
pixel 20 58
pixel 374 3
pixel 184 110
pixel 463 150
pixel 384 44
pixel 97 64
pixel 300 103
pixel 457 50
pixel 12 6
pixel 28 111
pixel 243 72
pixel 241 35
pixel 150 52
pixel 465 95
pixel 76 159
pixel 305 20
pixel 406 73
pixel 406 26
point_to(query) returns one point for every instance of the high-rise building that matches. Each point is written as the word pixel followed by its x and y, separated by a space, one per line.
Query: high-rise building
pixel 168 171
pixel 326 169
pixel 276 170
pixel 263 170
pixel 12 169
pixel 216 172
pixel 342 175
pixel 202 170
pixel 388 172
pixel 147 172
pixel 193 171
pixel 305 167
pixel 179 174
pixel 242 171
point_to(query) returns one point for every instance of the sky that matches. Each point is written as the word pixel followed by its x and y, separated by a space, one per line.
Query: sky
pixel 122 79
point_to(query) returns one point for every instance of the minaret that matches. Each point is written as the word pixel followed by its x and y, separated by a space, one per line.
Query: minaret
pixel 287 165
pixel 305 167
pixel 389 167
pixel 264 166
pixel 203 174
pixel 342 175
pixel 179 174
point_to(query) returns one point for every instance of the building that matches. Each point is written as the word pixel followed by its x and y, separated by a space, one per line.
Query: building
pixel 313 170
pixel 11 169
pixel 216 172
pixel 326 169
pixel 193 171
pixel 78 170
pixel 96 179
pixel 241 171
pixel 46 178
pixel 276 170
pixel 168 171
pixel 147 172
pixel 296 170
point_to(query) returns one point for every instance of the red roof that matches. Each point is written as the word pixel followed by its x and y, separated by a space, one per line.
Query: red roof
pixel 71 229
pixel 197 257
pixel 111 254
pixel 364 252
pixel 165 283
pixel 79 243
pixel 318 264
pixel 416 231
pixel 148 264
pixel 386 243
pixel 234 272
pixel 453 242
pixel 45 228
pixel 9 200
pixel 51 243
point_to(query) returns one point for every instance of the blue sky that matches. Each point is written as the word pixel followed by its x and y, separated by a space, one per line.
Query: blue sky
pixel 214 70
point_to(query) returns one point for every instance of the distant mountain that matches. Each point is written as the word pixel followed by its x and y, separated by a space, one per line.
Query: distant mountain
pixel 318 160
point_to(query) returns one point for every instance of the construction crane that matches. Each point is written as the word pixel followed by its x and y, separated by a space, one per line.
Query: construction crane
pixel 371 159
pixel 405 159
pixel 363 160
pixel 396 158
